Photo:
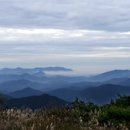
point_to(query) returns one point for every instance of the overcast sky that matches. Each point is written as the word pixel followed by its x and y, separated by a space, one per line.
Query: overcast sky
pixel 87 36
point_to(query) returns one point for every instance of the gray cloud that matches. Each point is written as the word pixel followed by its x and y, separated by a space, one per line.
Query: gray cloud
pixel 111 15
pixel 82 34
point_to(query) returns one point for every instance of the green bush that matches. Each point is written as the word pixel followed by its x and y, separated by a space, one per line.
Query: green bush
pixel 115 115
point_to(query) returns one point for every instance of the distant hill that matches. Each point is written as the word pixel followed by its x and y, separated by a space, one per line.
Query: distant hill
pixel 39 74
pixel 119 81
pixel 36 102
pixel 104 93
pixel 33 77
pixel 99 95
pixel 110 75
pixel 25 93
pixel 67 94
pixel 83 85
pixel 5 97
pixel 15 85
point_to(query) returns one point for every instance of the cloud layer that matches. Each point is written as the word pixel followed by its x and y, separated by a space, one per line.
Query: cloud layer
pixel 111 15
pixel 28 34
pixel 82 34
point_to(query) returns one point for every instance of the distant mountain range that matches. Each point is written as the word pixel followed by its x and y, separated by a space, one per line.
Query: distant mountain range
pixel 36 102
pixel 10 83
pixel 20 70
pixel 100 89
pixel 99 95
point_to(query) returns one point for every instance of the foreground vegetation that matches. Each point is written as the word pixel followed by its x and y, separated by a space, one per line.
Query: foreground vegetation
pixel 77 116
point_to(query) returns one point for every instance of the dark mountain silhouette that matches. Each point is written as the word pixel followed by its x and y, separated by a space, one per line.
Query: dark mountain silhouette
pixel 25 93
pixel 5 97
pixel 104 93
pixel 99 95
pixel 36 102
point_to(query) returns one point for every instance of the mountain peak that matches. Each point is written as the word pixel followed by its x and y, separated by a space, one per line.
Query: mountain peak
pixel 25 92
pixel 111 75
pixel 34 102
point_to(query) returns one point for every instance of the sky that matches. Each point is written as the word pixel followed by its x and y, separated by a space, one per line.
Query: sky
pixel 88 36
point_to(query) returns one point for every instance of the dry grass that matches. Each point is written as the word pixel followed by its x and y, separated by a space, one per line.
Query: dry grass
pixel 56 119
